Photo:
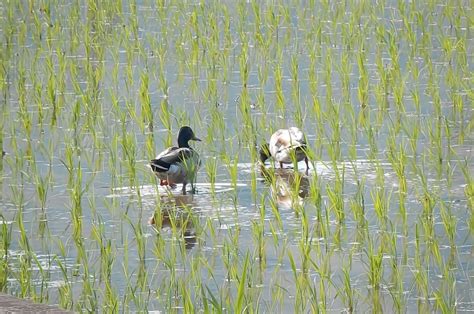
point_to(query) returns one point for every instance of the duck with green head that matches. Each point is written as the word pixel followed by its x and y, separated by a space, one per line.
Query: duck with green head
pixel 178 164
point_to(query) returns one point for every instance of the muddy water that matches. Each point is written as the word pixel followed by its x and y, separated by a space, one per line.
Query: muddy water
pixel 206 236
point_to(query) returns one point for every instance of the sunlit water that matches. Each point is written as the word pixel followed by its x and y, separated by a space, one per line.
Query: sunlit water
pixel 216 225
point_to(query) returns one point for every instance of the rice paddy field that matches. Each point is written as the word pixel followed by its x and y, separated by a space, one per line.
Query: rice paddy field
pixel 382 222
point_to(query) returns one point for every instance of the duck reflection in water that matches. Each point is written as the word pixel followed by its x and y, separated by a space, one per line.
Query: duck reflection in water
pixel 289 187
pixel 175 214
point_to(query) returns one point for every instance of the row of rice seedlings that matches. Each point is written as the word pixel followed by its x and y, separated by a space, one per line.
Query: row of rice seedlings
pixel 469 192
pixel 107 259
pixel 77 190
pixel 420 272
pixel 43 272
pixel 23 273
pixel 139 287
pixel 65 292
pixel 336 197
pixel 375 272
pixel 396 283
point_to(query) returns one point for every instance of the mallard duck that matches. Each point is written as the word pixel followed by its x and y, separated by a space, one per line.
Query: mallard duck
pixel 178 164
pixel 284 144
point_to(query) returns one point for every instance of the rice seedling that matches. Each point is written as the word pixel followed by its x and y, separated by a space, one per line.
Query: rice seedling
pixel 346 291
pixel 6 242
pixel 336 199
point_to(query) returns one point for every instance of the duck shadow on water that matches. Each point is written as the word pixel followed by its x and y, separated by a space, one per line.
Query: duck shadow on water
pixel 176 213
pixel 288 187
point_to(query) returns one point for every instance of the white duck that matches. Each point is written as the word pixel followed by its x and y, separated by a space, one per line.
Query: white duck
pixel 284 145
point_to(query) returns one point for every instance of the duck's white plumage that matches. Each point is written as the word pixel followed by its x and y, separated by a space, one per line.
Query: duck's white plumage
pixel 285 142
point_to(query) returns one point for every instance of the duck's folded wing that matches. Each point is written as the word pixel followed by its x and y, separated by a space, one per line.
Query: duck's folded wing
pixel 297 136
pixel 173 156
pixel 292 138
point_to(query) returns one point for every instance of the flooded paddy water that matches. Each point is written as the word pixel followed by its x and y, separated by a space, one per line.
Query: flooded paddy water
pixel 383 220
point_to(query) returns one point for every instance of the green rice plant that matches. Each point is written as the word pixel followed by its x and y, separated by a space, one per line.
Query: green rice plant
pixel 347 291
pixel 420 271
pixel 42 296
pixel 230 254
pixel 296 93
pixel 188 303
pixel 258 233
pixel 322 296
pixel 382 87
pixel 396 287
pixel 211 170
pixel 305 244
pixel 165 117
pixel 110 297
pixel 334 146
pixel 363 89
pixel 253 183
pixel 428 201
pixel 381 205
pixel 37 91
pixel 313 56
pixel 76 193
pixel 328 79
pixel 344 69
pixel 298 284
pixel 19 201
pixel 42 185
pixel 351 121
pixel 357 205
pixel 240 306
pixel 88 299
pixel 51 89
pixel 24 276
pixel 6 240
pixel 146 111
pixel 371 137
pixel 469 188
pixel 446 295
pixel 232 169
pixel 441 305
pixel 24 273
pixel 24 115
pixel 163 82
pixel 336 199
pixel 61 76
pixel 262 73
pixel 375 265
pixel 128 143
pixel 449 222
pixel 278 77
pixel 65 290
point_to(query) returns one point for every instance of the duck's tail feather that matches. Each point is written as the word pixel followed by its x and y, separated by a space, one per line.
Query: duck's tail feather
pixel 158 165
pixel 302 147
pixel 298 145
